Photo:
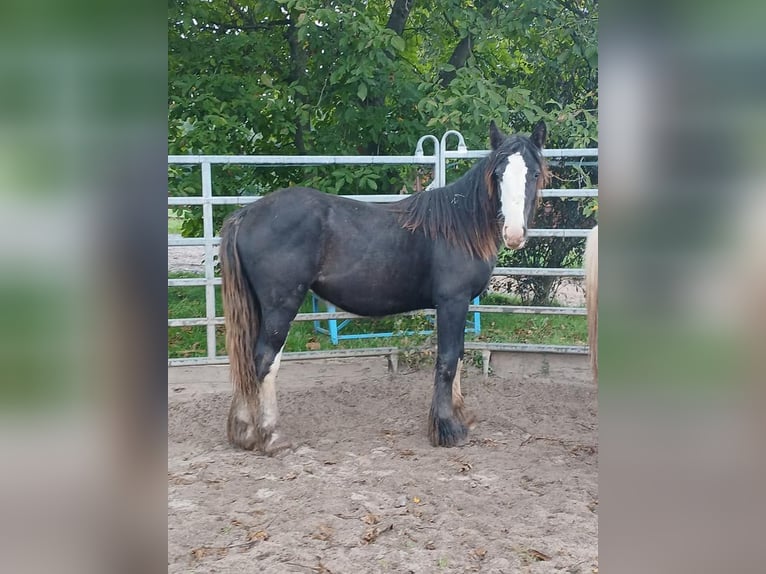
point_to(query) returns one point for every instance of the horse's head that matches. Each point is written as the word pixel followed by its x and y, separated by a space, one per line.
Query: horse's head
pixel 516 171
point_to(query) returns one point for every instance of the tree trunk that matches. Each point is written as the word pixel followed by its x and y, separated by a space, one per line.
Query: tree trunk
pixel 458 59
pixel 399 14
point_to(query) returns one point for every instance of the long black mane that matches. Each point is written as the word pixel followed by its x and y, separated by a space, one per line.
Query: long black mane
pixel 466 213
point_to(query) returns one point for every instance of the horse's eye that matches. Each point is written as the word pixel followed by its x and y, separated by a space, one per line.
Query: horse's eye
pixel 537 174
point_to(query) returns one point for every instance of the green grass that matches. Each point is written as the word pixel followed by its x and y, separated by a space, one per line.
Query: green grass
pixel 184 302
pixel 539 329
pixel 174 223
pixel 187 302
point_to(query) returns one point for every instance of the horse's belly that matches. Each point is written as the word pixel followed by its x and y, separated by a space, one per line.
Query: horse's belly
pixel 373 294
pixel 377 308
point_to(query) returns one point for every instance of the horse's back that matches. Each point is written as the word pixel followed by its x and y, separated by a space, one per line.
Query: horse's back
pixel 283 208
pixel 352 253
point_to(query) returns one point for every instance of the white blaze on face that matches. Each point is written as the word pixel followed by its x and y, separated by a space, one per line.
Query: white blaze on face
pixel 512 201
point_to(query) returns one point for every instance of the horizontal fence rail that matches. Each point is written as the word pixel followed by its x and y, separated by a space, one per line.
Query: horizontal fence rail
pixel 279 160
pixel 498 272
pixel 392 352
pixel 379 198
pixel 194 241
pixel 335 315
pixel 438 161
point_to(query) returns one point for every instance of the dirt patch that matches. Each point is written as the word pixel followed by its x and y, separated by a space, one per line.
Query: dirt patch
pixel 570 292
pixel 363 491
pixel 187 258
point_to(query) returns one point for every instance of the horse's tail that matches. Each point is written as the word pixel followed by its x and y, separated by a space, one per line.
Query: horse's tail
pixel 240 309
pixel 591 296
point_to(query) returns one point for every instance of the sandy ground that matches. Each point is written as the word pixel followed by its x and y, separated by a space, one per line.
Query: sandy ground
pixel 363 491
pixel 185 258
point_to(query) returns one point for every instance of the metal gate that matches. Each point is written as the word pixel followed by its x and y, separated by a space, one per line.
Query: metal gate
pixel 438 161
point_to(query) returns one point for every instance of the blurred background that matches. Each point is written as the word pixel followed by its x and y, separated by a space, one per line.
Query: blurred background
pixel 83 112
pixel 681 397
pixel 83 145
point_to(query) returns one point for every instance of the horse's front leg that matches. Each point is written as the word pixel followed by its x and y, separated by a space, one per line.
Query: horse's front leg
pixel 448 423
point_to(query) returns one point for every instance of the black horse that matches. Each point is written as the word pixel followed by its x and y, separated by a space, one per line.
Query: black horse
pixel 434 249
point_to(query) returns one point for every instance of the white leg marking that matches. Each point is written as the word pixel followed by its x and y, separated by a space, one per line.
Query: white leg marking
pixel 513 201
pixel 245 415
pixel 269 409
pixel 457 395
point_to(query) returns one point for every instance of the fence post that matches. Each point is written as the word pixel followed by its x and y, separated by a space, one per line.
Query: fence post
pixel 443 152
pixel 438 159
pixel 208 232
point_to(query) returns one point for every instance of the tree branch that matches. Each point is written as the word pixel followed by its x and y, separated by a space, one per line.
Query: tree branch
pixel 399 14
pixel 569 5
pixel 217 26
pixel 458 59
pixel 464 47
pixel 451 24
pixel 238 9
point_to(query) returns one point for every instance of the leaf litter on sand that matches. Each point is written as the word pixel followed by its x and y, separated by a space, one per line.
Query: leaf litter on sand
pixel 324 533
pixel 371 534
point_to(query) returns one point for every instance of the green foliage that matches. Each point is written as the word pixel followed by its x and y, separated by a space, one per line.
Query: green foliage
pixel 175 221
pixel 590 208
pixel 304 76
pixel 495 298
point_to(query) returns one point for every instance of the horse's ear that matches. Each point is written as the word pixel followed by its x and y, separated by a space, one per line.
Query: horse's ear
pixel 496 137
pixel 539 133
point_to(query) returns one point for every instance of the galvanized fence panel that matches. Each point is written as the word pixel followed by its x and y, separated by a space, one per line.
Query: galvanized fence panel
pixel 439 162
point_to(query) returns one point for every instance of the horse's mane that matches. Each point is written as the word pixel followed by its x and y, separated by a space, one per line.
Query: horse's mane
pixel 465 213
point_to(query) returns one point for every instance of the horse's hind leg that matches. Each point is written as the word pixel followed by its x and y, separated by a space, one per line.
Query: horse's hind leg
pixel 268 357
pixel 254 423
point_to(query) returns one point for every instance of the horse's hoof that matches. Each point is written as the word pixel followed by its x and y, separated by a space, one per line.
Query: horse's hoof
pixel 467 418
pixel 240 427
pixel 275 444
pixel 242 440
pixel 448 432
pixel 242 434
pixel 453 441
pixel 456 442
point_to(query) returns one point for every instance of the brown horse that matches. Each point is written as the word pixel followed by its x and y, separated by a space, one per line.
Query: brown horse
pixel 591 296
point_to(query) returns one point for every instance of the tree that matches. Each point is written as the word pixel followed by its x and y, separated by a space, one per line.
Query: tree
pixel 303 76
pixel 370 77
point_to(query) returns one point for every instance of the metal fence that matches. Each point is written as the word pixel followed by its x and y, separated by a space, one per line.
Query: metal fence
pixel 438 161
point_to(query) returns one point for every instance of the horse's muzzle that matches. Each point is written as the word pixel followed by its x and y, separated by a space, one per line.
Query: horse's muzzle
pixel 514 239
